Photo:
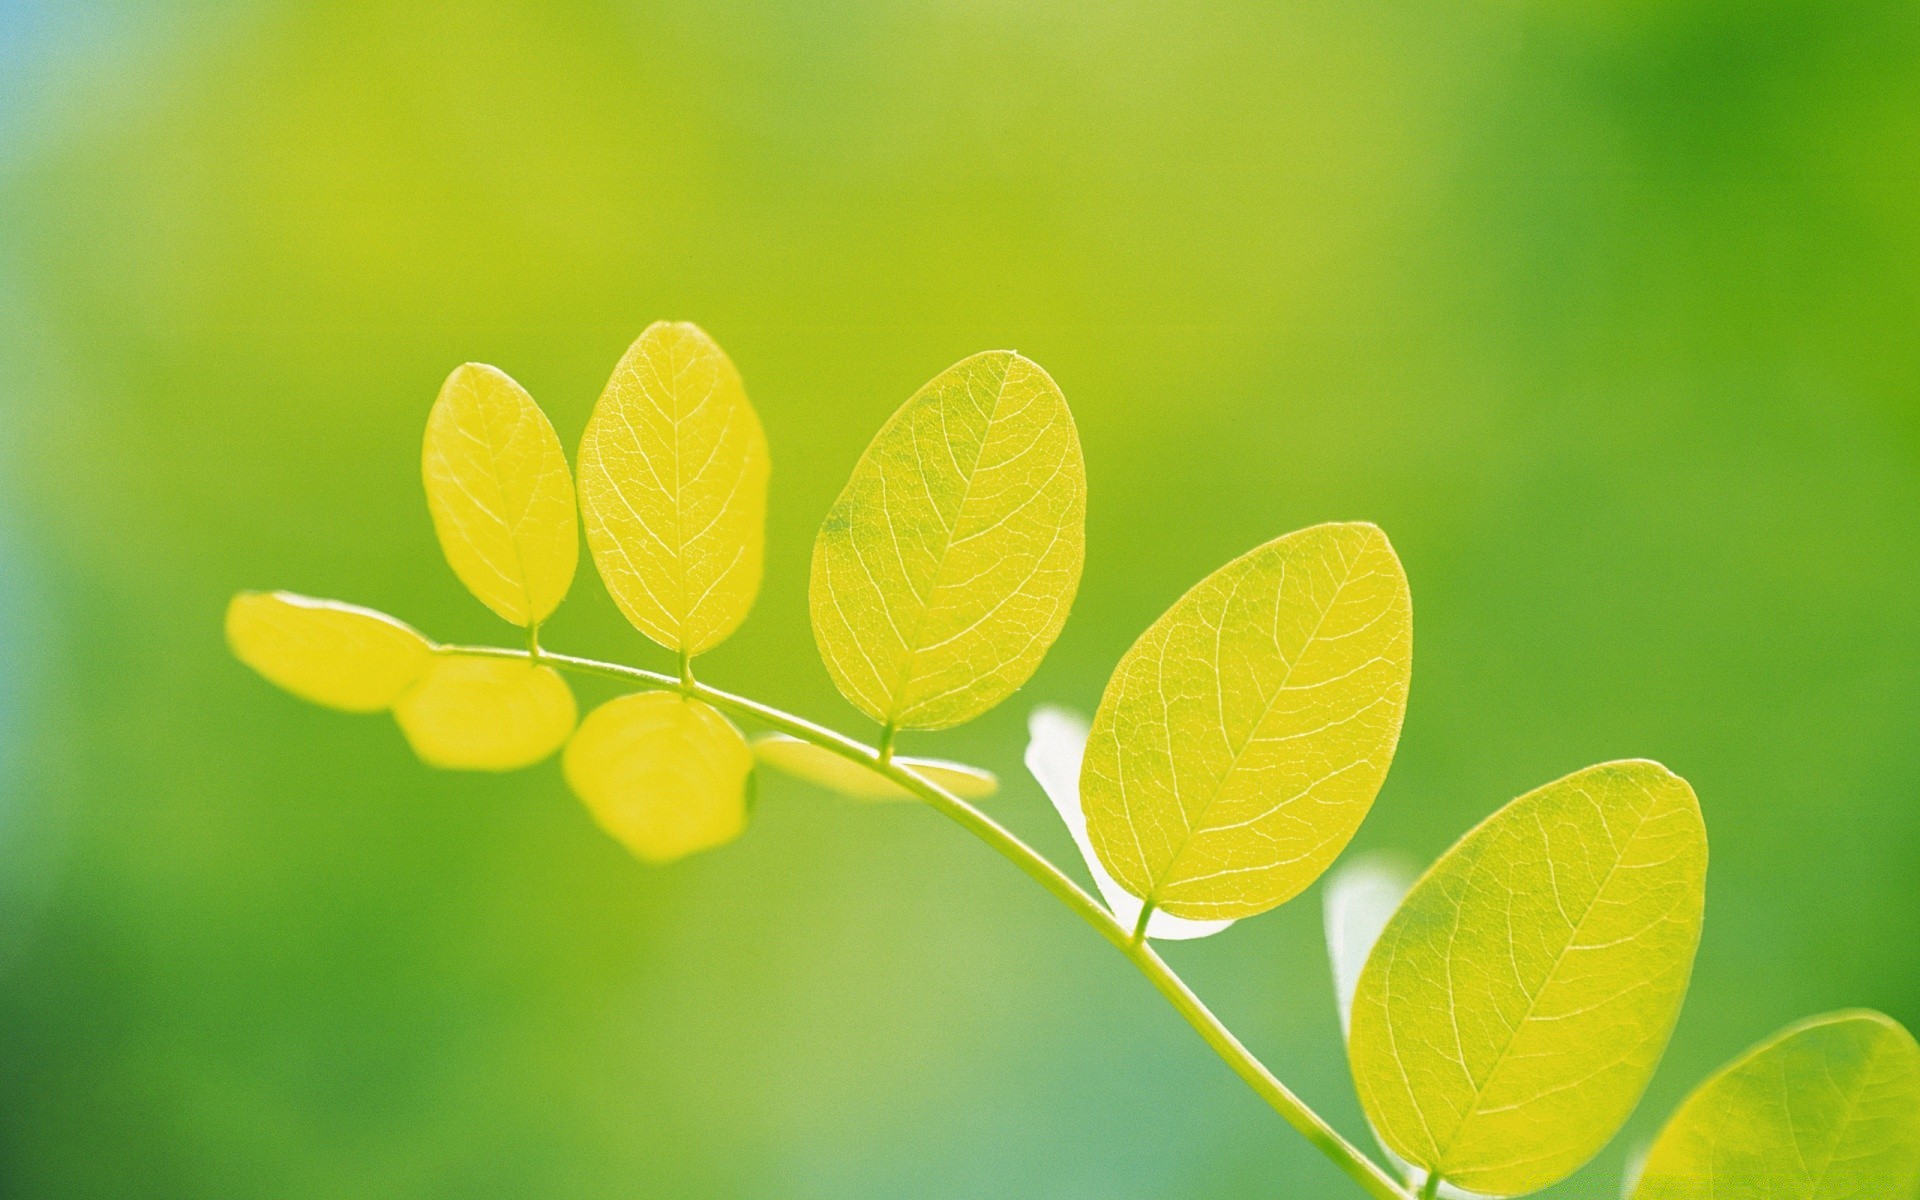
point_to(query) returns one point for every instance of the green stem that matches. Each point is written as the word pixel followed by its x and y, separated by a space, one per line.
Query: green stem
pixel 1140 926
pixel 1431 1188
pixel 1310 1125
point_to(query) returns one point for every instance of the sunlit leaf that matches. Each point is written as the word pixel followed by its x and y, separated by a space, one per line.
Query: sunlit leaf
pixel 665 775
pixel 485 714
pixel 807 761
pixel 1828 1109
pixel 673 485
pixel 1512 1012
pixel 501 498
pixel 1056 740
pixel 335 654
pixel 945 569
pixel 1242 739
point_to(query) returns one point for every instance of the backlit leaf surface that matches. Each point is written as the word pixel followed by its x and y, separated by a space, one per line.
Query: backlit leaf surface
pixel 665 775
pixel 486 714
pixel 1056 742
pixel 1828 1109
pixel 335 654
pixel 1242 739
pixel 1512 1012
pixel 945 569
pixel 807 761
pixel 673 485
pixel 501 497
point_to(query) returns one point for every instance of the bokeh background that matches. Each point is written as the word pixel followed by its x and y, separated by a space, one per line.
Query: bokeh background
pixel 1607 310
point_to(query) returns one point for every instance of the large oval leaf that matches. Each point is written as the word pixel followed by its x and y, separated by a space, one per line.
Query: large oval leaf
pixel 501 498
pixel 823 767
pixel 945 569
pixel 1517 1003
pixel 486 714
pixel 335 654
pixel 1828 1109
pixel 1242 739
pixel 665 775
pixel 673 483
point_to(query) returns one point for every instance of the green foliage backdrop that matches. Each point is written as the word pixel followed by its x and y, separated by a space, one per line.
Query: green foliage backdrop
pixel 1606 312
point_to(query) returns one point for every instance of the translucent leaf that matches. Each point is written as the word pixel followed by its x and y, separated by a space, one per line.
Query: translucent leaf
pixel 827 769
pixel 1241 740
pixel 1518 1001
pixel 335 654
pixel 501 498
pixel 945 569
pixel 485 714
pixel 663 774
pixel 673 484
pixel 1828 1109
pixel 1056 739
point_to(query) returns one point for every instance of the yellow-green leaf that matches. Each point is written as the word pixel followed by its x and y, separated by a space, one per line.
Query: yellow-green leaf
pixel 665 775
pixel 1242 739
pixel 501 498
pixel 673 483
pixel 335 654
pixel 1828 1109
pixel 945 569
pixel 486 714
pixel 807 761
pixel 1512 1012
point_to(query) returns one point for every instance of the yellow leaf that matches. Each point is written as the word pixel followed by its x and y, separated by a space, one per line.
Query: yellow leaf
pixel 945 569
pixel 1828 1109
pixel 665 775
pixel 1516 1004
pixel 804 760
pixel 501 498
pixel 673 483
pixel 331 653
pixel 486 714
pixel 1242 739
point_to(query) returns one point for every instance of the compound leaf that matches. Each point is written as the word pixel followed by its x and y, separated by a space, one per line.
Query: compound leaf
pixel 501 497
pixel 335 654
pixel 945 569
pixel 1828 1109
pixel 1514 1008
pixel 1242 739
pixel 665 775
pixel 1056 743
pixel 485 714
pixel 673 483
pixel 804 760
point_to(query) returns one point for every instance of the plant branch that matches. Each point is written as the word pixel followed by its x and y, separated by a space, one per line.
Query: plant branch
pixel 1324 1137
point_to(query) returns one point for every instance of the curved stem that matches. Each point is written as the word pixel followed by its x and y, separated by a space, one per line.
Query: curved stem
pixel 1324 1137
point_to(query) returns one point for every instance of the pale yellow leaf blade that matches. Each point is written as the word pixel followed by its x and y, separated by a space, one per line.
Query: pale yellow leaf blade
pixel 1828 1109
pixel 500 495
pixel 486 714
pixel 804 760
pixel 673 485
pixel 945 569
pixel 664 774
pixel 335 654
pixel 1518 1001
pixel 1243 738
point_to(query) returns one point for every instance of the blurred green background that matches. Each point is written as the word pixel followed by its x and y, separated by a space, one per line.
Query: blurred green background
pixel 1609 312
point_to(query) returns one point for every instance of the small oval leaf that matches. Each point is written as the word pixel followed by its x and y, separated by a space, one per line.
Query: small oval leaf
pixel 665 775
pixel 945 569
pixel 804 760
pixel 1828 1109
pixel 335 654
pixel 1358 900
pixel 1242 739
pixel 673 484
pixel 1056 743
pixel 500 494
pixel 486 714
pixel 1513 1010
